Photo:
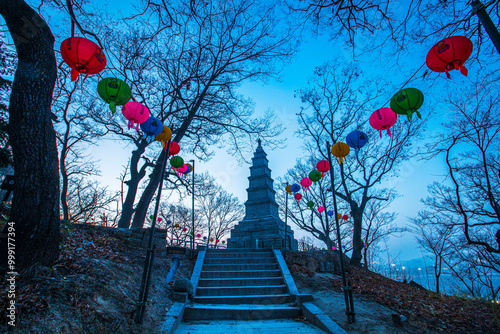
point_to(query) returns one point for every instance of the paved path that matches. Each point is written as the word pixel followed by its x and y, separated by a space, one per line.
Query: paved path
pixel 282 326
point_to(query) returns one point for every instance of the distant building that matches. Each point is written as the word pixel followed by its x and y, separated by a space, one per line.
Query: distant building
pixel 262 226
pixel 3 172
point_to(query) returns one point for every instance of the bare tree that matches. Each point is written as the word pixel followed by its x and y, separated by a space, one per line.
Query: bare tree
pixel 338 101
pixel 218 209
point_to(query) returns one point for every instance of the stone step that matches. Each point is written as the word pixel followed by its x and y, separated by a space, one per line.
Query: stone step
pixel 260 281
pixel 239 312
pixel 231 260
pixel 230 254
pixel 239 250
pixel 249 299
pixel 241 290
pixel 237 266
pixel 248 327
pixel 240 273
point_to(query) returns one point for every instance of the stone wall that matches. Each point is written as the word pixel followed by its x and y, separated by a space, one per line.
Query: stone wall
pixel 138 237
pixel 317 261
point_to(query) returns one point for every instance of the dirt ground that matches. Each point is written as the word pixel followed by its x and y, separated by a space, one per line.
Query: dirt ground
pixel 93 288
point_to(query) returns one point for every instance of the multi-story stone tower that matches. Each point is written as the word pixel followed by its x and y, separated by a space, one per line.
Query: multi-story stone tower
pixel 262 226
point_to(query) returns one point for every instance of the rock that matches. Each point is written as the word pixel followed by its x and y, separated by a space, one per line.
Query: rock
pixel 183 285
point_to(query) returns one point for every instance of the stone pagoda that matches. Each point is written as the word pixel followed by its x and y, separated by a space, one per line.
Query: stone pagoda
pixel 262 226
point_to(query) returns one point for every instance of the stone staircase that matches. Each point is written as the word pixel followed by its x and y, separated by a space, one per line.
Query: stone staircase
pixel 239 284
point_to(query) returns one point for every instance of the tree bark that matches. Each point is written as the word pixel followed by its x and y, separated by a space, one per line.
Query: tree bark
pixel 147 195
pixel 35 204
pixel 357 243
pixel 132 184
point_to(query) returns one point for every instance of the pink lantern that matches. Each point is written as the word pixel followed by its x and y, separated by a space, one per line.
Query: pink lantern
pixel 182 169
pixel 135 113
pixel 159 219
pixel 198 235
pixel 321 209
pixel 334 248
pixel 306 183
pixel 297 196
pixel 383 119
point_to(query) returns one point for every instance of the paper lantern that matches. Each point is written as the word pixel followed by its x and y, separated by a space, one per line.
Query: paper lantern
pixel 407 101
pixel 182 169
pixel 339 216
pixel 151 128
pixel 334 248
pixel 135 113
pixel 164 136
pixel 315 176
pixel 177 225
pixel 223 241
pixel 449 54
pixel 83 56
pixel 169 222
pixel 288 189
pixel 383 119
pixel 295 187
pixel 321 209
pixel 297 196
pixel 340 150
pixel 356 140
pixel 190 168
pixel 198 235
pixel 185 229
pixel 114 91
pixel 330 213
pixel 159 219
pixel 217 241
pixel 345 217
pixel 310 204
pixel 204 238
pixel 174 148
pixel 176 162
pixel 323 166
pixel 211 239
pixel 305 183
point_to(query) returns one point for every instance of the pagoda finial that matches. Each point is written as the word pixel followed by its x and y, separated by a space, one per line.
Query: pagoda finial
pixel 258 142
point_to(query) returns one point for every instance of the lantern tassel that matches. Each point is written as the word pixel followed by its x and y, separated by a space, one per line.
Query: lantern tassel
pixel 112 106
pixel 389 132
pixel 409 113
pixel 447 74
pixel 74 74
pixel 380 133
pixel 130 124
pixel 418 114
pixel 464 70
pixel 340 160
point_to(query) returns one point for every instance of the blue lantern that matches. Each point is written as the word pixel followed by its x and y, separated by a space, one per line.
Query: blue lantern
pixel 330 213
pixel 295 187
pixel 356 140
pixel 169 222
pixel 151 128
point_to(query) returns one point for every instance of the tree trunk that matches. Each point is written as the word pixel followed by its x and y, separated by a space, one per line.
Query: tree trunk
pixel 357 243
pixel 147 195
pixel 35 205
pixel 132 184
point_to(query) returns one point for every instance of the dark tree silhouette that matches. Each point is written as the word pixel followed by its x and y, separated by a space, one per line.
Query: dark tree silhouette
pixel 35 205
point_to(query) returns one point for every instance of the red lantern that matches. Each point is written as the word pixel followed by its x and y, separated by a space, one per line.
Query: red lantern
pixel 297 196
pixel 449 54
pixel 383 119
pixel 345 217
pixel 198 235
pixel 135 113
pixel 185 229
pixel 323 166
pixel 174 148
pixel 217 241
pixel 83 56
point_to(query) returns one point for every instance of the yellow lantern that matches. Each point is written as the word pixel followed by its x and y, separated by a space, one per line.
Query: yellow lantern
pixel 339 216
pixel 289 189
pixel 164 136
pixel 340 150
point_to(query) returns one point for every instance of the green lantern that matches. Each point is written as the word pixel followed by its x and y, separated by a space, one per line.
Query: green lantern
pixel 310 204
pixel 114 91
pixel 176 162
pixel 315 176
pixel 407 101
